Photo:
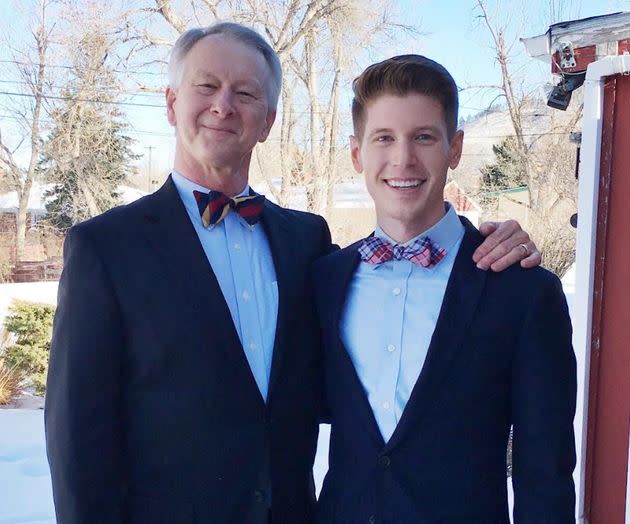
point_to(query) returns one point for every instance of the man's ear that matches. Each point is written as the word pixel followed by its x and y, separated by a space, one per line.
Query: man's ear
pixel 270 119
pixel 455 149
pixel 171 96
pixel 355 153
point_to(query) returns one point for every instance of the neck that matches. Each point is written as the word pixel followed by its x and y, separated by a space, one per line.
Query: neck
pixel 400 231
pixel 228 179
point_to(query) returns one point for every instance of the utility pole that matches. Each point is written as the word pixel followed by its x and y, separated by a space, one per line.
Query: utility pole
pixel 150 170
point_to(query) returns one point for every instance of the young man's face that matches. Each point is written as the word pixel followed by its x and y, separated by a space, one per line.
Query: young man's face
pixel 405 154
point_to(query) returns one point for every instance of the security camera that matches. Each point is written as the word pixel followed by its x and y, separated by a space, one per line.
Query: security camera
pixel 561 94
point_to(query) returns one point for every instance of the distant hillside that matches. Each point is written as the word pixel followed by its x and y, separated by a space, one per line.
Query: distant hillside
pixel 489 128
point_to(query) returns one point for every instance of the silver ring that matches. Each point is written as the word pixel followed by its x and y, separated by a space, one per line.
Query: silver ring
pixel 525 249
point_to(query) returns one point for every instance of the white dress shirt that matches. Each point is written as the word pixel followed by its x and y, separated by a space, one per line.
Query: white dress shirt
pixel 240 257
pixel 389 317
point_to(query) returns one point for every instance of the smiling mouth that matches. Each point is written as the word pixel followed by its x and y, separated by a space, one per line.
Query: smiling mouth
pixel 219 129
pixel 404 184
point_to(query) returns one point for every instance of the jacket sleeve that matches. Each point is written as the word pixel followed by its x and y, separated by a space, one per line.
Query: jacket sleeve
pixel 82 412
pixel 543 408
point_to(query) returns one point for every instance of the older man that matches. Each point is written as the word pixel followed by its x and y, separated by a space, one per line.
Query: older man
pixel 184 374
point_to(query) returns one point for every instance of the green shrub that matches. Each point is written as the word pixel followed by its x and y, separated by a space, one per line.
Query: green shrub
pixel 31 324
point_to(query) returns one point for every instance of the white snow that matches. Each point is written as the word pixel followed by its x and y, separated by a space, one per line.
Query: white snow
pixel 25 493
pixel 44 292
pixel 37 200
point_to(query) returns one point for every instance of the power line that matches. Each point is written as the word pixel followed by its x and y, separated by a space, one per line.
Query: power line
pixel 87 100
pixel 104 89
pixel 59 66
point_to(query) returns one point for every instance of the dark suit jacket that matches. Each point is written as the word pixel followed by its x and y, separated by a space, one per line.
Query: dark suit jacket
pixel 500 355
pixel 152 413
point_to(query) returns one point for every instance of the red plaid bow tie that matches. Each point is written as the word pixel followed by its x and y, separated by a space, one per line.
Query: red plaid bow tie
pixel 214 206
pixel 423 251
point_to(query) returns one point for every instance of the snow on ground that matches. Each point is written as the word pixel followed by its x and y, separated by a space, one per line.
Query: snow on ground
pixel 26 495
pixel 45 292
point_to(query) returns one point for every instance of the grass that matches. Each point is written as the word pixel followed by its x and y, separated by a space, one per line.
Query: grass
pixel 10 379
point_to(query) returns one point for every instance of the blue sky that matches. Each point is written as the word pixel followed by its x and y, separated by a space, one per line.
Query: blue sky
pixel 457 39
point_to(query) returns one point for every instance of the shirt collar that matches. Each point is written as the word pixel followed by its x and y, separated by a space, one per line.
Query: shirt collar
pixel 185 188
pixel 445 233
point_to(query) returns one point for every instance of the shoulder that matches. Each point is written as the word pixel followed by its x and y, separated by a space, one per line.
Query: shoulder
pixel 514 275
pixel 327 267
pixel 296 217
pixel 331 259
pixel 525 288
pixel 114 223
pixel 305 233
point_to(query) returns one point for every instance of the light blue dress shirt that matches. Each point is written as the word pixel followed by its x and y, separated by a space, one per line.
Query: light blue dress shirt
pixel 389 317
pixel 240 257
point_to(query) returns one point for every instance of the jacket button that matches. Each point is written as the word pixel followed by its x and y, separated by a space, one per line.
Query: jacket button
pixel 372 519
pixel 259 496
pixel 384 461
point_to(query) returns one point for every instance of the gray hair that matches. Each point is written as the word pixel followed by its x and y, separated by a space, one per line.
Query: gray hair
pixel 238 32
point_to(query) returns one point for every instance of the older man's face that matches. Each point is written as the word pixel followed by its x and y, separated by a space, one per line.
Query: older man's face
pixel 220 108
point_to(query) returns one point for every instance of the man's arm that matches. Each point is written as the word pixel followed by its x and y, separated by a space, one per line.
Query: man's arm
pixel 82 414
pixel 506 244
pixel 543 406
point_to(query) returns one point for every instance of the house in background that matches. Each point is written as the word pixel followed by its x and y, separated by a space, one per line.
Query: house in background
pixel 9 207
pixel 42 259
pixel 463 204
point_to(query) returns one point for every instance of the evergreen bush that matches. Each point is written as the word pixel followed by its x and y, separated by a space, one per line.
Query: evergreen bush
pixel 31 324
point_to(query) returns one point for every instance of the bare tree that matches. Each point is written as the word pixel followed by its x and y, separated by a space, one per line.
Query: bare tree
pixel 503 49
pixel 545 161
pixel 31 64
pixel 87 154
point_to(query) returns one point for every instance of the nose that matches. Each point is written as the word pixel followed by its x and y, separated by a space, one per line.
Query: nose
pixel 223 103
pixel 404 154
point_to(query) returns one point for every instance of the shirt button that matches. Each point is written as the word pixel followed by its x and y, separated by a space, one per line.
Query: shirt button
pixel 386 405
pixel 391 348
pixel 245 295
pixel 396 291
pixel 237 246
pixel 252 346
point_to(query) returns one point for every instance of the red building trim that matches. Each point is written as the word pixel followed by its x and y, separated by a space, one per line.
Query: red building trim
pixel 609 383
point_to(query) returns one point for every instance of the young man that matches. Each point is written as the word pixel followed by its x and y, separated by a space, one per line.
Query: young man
pixel 429 360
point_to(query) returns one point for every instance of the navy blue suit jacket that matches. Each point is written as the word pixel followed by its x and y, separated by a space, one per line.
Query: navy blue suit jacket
pixel 152 413
pixel 500 354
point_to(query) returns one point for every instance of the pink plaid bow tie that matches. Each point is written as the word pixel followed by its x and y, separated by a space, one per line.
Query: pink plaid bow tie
pixel 423 251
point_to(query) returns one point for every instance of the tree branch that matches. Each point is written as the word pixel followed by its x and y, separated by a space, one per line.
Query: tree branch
pixel 164 8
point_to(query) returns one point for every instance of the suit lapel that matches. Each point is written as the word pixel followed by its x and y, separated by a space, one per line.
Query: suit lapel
pixel 345 269
pixel 171 234
pixel 278 235
pixel 461 298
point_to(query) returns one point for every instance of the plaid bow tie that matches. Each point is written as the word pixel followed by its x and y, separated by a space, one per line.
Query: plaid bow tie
pixel 423 251
pixel 213 206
